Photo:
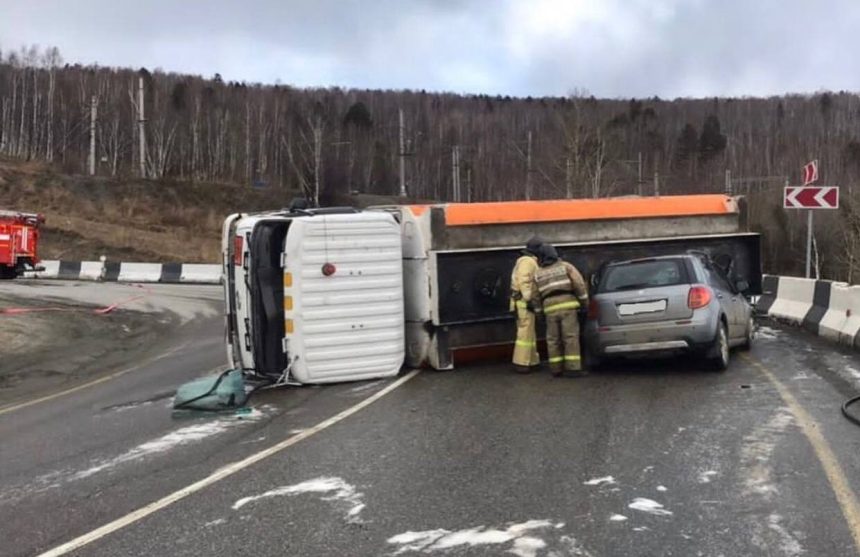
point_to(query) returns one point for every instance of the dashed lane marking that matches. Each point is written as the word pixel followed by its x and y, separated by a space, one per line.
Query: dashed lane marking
pixel 845 496
pixel 219 475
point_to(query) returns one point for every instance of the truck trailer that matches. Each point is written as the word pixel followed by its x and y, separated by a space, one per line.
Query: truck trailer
pixel 341 294
pixel 19 242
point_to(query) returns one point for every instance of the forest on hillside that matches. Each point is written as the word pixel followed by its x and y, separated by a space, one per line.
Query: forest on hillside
pixel 329 142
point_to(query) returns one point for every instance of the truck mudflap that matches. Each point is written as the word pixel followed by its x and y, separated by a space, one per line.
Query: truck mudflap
pixel 472 286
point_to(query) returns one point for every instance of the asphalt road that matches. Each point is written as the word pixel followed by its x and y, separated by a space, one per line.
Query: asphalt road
pixel 653 458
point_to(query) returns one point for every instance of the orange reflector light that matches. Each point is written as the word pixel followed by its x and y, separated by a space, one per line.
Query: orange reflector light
pixel 699 297
pixel 238 244
pixel 288 303
pixel 288 280
pixel 288 326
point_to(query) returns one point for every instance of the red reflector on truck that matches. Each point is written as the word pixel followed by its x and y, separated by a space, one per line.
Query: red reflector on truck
pixel 238 244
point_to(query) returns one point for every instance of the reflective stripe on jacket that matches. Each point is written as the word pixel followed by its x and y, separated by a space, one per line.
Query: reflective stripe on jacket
pixel 560 286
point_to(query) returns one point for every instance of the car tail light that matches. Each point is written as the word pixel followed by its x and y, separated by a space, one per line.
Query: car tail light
pixel 238 245
pixel 699 297
pixel 593 310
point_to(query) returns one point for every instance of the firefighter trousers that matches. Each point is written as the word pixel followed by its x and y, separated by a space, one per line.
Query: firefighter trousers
pixel 562 341
pixel 525 347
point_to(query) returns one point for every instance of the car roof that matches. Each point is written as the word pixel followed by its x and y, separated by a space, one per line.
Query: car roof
pixel 654 258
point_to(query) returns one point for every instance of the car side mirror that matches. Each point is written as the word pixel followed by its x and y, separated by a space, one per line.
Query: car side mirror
pixel 742 286
pixel 593 279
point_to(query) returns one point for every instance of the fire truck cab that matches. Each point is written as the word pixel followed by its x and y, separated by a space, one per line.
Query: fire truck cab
pixel 19 241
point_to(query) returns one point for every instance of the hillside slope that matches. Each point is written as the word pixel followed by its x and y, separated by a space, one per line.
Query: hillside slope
pixel 127 220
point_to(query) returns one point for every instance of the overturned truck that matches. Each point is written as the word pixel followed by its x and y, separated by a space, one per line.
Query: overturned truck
pixel 341 294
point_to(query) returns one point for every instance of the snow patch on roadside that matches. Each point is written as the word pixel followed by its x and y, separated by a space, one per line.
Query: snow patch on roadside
pixel 333 489
pixel 525 539
pixel 705 477
pixel 182 436
pixel 789 545
pixel 605 480
pixel 617 518
pixel 767 333
pixel 756 453
pixel 649 506
pixel 662 488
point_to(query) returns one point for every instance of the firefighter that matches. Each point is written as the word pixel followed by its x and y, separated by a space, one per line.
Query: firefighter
pixel 562 293
pixel 523 305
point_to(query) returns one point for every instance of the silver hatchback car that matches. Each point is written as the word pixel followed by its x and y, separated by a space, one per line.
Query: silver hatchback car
pixel 681 303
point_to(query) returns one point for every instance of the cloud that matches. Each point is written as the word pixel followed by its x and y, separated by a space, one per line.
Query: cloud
pixel 615 48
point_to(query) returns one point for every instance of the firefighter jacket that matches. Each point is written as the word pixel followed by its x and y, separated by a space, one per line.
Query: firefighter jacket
pixel 522 281
pixel 560 286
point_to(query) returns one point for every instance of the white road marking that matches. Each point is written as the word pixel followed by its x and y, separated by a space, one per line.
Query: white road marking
pixel 218 475
pixel 662 488
pixel 617 518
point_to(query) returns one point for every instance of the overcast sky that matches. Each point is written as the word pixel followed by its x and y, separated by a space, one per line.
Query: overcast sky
pixel 608 48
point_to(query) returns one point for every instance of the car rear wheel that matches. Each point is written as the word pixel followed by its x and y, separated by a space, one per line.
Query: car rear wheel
pixel 719 352
pixel 750 334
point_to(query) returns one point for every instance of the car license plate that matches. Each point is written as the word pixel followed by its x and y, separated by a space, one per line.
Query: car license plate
pixel 642 307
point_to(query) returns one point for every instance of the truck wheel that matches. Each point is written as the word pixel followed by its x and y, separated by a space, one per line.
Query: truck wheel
pixel 719 352
pixel 7 273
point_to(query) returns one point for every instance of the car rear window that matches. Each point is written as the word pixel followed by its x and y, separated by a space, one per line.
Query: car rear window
pixel 643 274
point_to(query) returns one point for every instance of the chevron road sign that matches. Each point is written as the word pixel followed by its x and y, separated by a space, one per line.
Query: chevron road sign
pixel 811 197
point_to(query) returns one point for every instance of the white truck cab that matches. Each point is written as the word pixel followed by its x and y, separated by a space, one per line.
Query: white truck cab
pixel 314 296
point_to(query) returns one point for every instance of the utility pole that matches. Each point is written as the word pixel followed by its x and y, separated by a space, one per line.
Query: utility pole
pixel 469 184
pixel 140 127
pixel 402 155
pixel 317 158
pixel 728 182
pixel 92 158
pixel 568 177
pixel 455 173
pixel 639 183
pixel 529 167
pixel 656 184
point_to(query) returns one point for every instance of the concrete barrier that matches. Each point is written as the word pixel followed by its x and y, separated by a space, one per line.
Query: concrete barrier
pixel 793 300
pixel 118 271
pixel 91 270
pixel 200 273
pixel 829 309
pixel 841 321
pixel 139 272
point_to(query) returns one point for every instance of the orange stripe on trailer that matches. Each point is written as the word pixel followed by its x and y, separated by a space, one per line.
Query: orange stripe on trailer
pixel 418 210
pixel 466 214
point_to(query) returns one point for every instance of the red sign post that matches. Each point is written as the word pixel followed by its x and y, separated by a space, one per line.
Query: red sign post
pixel 810 197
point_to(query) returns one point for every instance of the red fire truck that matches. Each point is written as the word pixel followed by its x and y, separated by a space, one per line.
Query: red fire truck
pixel 19 241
